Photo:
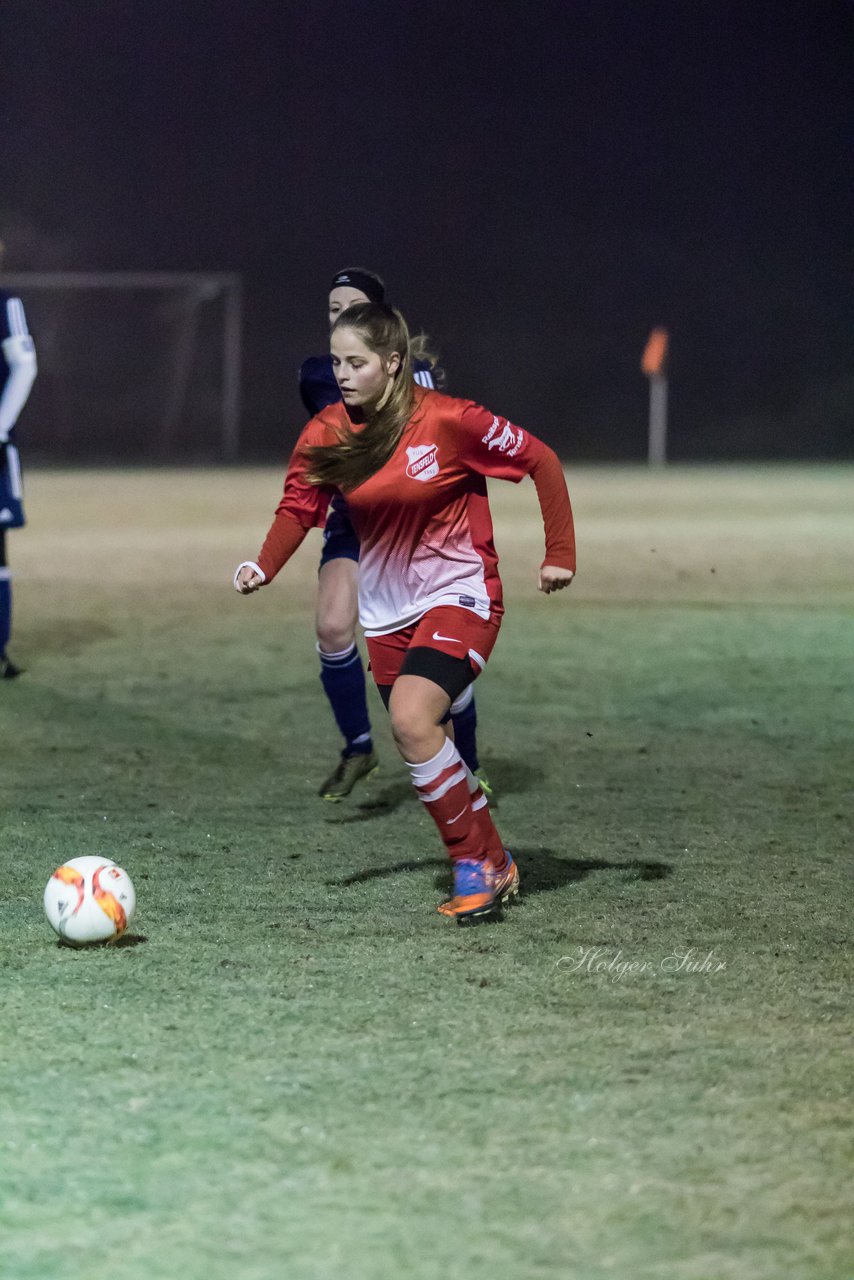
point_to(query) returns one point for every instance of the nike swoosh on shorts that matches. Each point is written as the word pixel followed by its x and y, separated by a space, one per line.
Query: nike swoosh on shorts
pixel 451 639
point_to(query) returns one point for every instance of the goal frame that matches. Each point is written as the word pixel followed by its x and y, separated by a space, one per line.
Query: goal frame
pixel 205 285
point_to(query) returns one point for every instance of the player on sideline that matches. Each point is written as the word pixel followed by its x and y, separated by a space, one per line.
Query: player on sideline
pixel 341 672
pixel 18 371
pixel 413 464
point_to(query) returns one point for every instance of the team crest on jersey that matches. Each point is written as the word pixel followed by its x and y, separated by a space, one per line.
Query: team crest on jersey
pixel 423 462
pixel 505 441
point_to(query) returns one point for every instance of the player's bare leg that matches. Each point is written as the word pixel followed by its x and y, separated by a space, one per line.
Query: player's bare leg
pixel 342 674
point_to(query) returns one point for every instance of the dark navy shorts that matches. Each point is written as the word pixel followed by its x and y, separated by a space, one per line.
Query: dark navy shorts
pixel 339 536
pixel 11 492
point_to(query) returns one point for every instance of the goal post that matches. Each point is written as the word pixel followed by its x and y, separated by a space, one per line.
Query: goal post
pixel 156 350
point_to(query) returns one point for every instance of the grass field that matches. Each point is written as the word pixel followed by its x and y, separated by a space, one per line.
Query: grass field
pixel 293 1067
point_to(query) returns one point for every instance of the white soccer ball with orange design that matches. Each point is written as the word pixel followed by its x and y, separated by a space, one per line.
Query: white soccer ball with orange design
pixel 89 900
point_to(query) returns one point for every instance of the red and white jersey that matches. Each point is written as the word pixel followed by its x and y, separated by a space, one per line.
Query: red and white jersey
pixel 423 519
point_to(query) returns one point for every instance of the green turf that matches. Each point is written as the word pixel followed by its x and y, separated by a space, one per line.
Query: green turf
pixel 293 1067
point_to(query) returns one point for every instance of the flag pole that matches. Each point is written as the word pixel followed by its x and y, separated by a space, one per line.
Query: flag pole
pixel 654 365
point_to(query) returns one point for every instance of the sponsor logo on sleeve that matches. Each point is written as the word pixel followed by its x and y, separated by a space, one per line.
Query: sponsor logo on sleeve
pixel 510 440
pixel 423 462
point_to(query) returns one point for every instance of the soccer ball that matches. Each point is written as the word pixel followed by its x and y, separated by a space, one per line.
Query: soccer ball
pixel 89 900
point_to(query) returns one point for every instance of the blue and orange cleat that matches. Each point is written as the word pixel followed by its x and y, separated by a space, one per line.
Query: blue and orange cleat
pixel 479 888
pixel 474 890
pixel 506 879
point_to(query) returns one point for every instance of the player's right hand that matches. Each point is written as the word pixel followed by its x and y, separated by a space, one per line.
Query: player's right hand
pixel 247 580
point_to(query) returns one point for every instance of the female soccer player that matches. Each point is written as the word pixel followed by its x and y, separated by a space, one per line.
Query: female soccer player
pixel 341 671
pixel 412 464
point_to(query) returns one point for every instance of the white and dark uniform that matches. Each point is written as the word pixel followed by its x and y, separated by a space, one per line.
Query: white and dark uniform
pixel 18 374
pixel 18 371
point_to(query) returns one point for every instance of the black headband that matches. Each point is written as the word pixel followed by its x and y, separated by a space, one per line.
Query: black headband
pixel 367 284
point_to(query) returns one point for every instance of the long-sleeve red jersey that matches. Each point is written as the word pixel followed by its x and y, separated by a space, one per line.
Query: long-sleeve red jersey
pixel 423 519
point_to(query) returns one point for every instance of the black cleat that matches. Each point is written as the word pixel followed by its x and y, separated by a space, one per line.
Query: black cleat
pixel 8 670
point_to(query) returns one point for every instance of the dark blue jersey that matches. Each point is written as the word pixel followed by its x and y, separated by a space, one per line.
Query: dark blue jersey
pixel 318 387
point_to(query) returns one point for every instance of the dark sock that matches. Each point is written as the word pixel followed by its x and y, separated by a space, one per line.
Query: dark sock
pixel 465 735
pixel 5 609
pixel 343 678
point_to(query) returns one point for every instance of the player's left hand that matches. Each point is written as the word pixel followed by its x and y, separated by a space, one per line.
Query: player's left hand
pixel 554 579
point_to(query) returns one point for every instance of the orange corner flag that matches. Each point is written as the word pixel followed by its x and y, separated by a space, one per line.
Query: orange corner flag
pixel 655 353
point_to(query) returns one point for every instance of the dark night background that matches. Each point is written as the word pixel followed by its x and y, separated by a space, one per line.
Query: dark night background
pixel 539 184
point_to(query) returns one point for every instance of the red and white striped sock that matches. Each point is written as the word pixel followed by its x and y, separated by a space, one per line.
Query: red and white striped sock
pixel 464 823
pixel 488 832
